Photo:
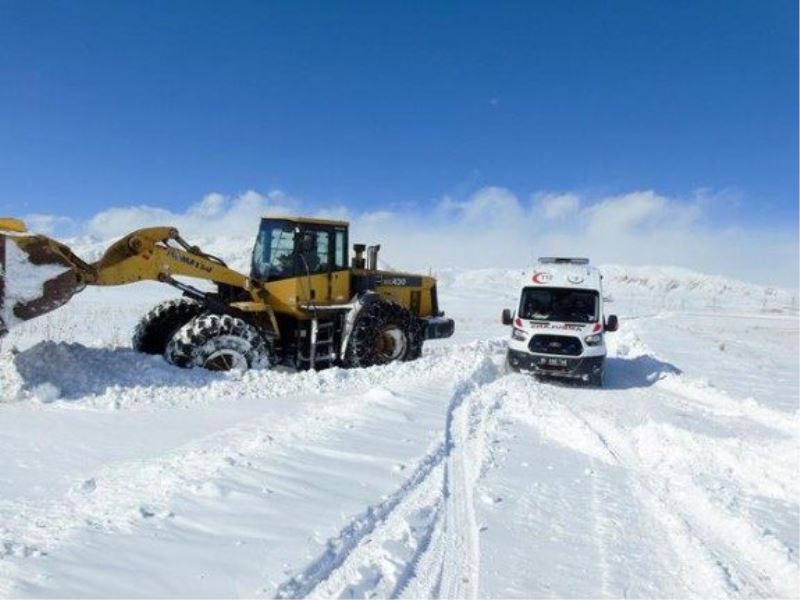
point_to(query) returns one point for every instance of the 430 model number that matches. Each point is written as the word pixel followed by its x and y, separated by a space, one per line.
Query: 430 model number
pixel 398 281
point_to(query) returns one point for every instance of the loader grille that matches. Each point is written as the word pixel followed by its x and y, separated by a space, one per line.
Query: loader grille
pixel 562 345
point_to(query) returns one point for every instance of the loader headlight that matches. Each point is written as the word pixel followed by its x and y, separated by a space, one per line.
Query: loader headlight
pixel 594 339
pixel 518 334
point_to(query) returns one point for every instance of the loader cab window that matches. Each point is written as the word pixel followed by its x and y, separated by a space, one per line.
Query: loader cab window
pixel 284 249
pixel 340 258
pixel 314 251
pixel 559 304
pixel 273 251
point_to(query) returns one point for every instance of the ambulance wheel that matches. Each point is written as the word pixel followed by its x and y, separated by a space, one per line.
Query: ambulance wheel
pixel 596 380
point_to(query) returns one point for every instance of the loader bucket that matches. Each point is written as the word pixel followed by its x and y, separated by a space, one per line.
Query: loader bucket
pixel 36 277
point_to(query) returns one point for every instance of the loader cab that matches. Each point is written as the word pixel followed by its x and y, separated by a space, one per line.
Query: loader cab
pixel 295 247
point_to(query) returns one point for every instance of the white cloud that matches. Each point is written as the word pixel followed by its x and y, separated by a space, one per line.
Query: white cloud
pixel 488 205
pixel 52 224
pixel 637 209
pixel 637 212
pixel 210 206
pixel 557 206
pixel 494 229
pixel 214 215
pixel 491 228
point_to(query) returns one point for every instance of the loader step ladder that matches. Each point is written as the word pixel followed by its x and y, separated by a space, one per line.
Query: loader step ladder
pixel 321 352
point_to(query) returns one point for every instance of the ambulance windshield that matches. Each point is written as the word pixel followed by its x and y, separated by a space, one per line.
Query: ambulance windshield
pixel 559 304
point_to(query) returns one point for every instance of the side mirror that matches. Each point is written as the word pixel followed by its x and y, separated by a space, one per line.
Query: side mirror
pixel 612 323
pixel 507 320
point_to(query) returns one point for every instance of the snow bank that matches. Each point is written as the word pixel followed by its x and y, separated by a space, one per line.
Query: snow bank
pixel 121 378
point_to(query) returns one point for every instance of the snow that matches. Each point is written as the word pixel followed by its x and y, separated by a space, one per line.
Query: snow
pixel 445 477
pixel 24 281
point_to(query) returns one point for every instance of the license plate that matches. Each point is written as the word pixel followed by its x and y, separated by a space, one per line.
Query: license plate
pixel 555 362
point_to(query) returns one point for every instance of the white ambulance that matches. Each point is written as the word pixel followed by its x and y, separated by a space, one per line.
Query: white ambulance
pixel 559 326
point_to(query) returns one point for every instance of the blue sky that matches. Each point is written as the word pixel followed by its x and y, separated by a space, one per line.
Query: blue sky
pixel 381 105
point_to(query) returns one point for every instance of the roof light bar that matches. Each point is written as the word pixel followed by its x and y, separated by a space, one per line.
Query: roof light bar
pixel 561 260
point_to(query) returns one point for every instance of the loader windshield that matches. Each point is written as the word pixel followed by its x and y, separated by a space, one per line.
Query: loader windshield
pixel 285 249
pixel 274 251
pixel 559 304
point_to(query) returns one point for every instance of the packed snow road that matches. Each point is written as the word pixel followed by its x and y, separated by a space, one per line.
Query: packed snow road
pixel 445 477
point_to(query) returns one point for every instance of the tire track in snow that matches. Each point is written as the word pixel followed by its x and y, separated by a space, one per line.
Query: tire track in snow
pixel 717 402
pixel 697 394
pixel 354 561
pixel 459 569
pixel 599 526
pixel 596 443
pixel 382 560
pixel 719 551
pixel 731 557
pixel 449 566
pixel 700 579
pixel 700 480
pixel 695 481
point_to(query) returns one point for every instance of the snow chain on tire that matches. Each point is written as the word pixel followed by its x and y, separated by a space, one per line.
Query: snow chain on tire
pixel 381 322
pixel 219 343
pixel 156 328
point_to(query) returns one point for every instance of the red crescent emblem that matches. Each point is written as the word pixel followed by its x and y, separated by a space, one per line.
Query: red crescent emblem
pixel 543 277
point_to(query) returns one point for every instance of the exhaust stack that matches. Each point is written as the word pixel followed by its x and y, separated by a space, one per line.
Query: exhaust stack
pixel 358 258
pixel 372 257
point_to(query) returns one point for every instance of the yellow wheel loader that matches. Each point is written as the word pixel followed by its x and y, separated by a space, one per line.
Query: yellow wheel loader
pixel 306 303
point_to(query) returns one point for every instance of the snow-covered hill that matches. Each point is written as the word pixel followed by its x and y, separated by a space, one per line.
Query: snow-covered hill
pixel 654 286
pixel 446 477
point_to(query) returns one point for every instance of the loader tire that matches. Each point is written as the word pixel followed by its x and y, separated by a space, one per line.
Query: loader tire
pixel 219 343
pixel 384 332
pixel 157 327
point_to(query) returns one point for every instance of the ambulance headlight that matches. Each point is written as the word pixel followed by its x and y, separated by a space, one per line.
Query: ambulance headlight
pixel 518 334
pixel 594 339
